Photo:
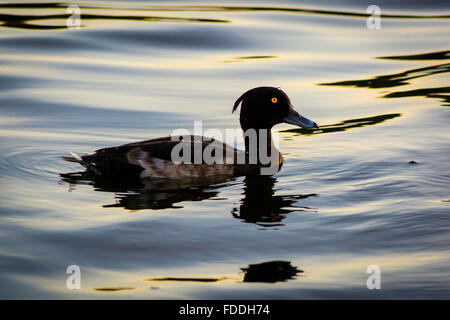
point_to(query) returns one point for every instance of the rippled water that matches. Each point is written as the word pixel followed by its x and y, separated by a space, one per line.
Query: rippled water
pixel 371 187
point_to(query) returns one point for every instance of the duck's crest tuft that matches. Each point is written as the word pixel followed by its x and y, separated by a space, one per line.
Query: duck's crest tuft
pixel 238 101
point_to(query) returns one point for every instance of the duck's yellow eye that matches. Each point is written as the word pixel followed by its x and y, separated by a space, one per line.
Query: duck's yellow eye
pixel 274 100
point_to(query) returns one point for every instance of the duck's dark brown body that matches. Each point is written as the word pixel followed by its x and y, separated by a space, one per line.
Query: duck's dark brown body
pixel 153 159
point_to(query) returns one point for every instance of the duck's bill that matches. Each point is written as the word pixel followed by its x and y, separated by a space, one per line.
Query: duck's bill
pixel 298 120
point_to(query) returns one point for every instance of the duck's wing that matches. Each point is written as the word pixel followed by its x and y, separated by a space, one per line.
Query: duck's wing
pixel 155 158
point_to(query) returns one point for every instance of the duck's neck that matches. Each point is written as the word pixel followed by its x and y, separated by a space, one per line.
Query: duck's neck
pixel 259 143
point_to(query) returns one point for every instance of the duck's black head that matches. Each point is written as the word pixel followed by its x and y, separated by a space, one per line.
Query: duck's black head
pixel 264 107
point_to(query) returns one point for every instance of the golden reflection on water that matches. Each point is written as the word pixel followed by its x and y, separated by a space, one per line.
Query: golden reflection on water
pixel 195 63
pixel 354 268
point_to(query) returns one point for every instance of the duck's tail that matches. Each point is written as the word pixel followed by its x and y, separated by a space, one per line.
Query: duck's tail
pixel 85 163
pixel 74 158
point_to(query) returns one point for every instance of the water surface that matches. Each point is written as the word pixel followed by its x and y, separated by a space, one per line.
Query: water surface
pixel 371 187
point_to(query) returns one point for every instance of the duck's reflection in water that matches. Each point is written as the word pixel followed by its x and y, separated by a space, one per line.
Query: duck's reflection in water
pixel 165 194
pixel 271 272
pixel 151 194
pixel 259 204
pixel 268 272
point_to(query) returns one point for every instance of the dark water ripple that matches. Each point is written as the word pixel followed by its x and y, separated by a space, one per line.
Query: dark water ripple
pixel 347 124
pixel 30 163
pixel 23 21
